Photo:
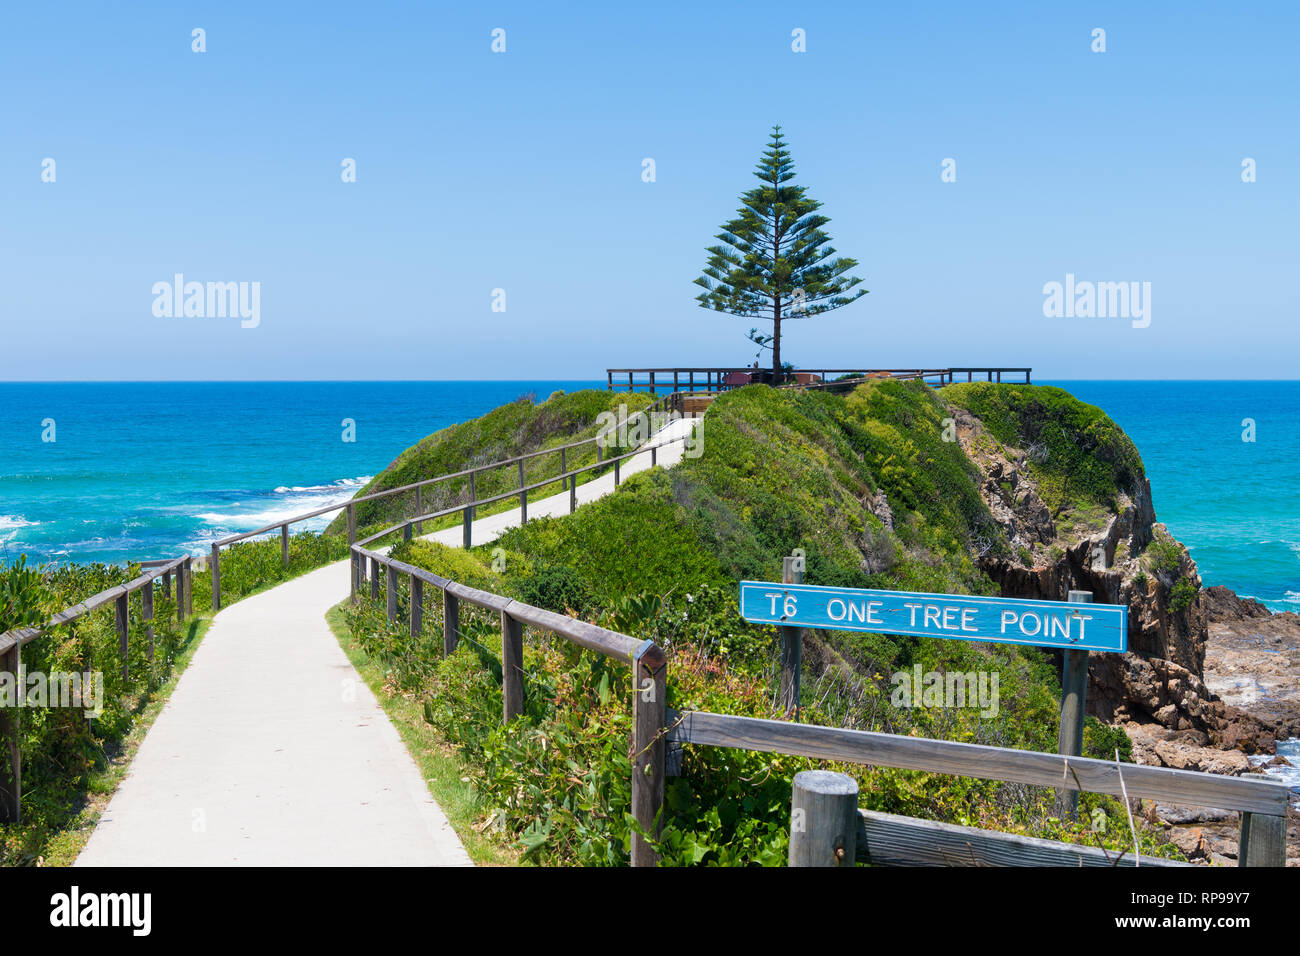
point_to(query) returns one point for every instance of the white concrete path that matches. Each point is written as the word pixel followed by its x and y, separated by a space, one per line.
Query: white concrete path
pixel 273 751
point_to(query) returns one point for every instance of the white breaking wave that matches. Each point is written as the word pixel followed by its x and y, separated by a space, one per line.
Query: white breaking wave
pixel 1290 749
pixel 10 526
pixel 342 483
pixel 288 502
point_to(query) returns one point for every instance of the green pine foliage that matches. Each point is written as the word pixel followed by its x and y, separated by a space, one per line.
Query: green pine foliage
pixel 774 261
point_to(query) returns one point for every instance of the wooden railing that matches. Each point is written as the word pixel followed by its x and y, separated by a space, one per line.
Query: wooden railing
pixel 659 734
pixel 12 643
pixel 647 660
pixel 1263 804
pixel 710 380
pixel 565 475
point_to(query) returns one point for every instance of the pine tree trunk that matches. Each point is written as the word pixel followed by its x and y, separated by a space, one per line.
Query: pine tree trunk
pixel 776 344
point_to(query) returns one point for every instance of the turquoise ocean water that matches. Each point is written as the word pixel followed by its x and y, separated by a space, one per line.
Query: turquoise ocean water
pixel 144 470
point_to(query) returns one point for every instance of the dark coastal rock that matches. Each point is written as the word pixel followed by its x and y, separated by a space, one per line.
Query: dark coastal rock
pixel 1206 683
pixel 1222 605
pixel 1253 661
pixel 1180 816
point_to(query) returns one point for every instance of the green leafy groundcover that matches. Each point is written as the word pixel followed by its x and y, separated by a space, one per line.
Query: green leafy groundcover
pixel 659 559
pixel 63 750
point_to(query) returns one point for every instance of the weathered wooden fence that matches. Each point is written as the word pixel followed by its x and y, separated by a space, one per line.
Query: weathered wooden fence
pixel 903 840
pixel 720 379
pixel 885 839
pixel 567 477
pixel 824 838
pixel 12 643
pixel 647 660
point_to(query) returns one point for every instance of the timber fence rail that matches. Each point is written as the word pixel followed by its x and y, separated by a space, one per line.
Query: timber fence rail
pixel 565 475
pixel 1263 804
pixel 882 839
pixel 710 380
pixel 12 643
pixel 648 662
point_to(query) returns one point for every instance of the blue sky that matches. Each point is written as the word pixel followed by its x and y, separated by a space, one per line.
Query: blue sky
pixel 522 171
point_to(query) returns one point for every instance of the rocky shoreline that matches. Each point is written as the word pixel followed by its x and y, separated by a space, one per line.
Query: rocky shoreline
pixel 1251 668
pixel 1210 681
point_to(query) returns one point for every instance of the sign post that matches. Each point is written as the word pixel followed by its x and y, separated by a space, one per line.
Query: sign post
pixel 1074 627
pixel 791 641
pixel 1074 691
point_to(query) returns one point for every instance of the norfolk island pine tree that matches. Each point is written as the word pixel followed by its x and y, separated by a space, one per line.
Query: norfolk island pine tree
pixel 774 261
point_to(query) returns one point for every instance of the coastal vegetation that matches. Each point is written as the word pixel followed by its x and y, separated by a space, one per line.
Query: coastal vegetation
pixel 72 757
pixel 867 482
pixel 866 485
pixel 518 428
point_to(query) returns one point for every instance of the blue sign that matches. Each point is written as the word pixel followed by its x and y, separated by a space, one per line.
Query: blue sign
pixel 1091 627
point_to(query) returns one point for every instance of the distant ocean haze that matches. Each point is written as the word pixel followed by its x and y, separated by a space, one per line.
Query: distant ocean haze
pixel 146 470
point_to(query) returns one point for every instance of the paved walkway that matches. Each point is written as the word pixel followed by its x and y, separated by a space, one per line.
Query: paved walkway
pixel 273 751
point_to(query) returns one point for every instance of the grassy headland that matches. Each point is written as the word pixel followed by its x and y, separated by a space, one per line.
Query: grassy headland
pixel 877 493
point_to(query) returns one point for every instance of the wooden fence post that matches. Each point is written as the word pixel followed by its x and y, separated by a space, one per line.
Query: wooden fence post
pixel 188 586
pixel 523 495
pixel 1074 692
pixel 146 613
pixel 352 524
pixel 284 544
pixel 167 584
pixel 406 531
pixel 450 622
pixel 823 819
pixel 791 644
pixel 1263 840
pixel 512 667
pixel 616 463
pixel 374 579
pixel 390 591
pixel 417 605
pixel 467 534
pixel 11 767
pixel 120 613
pixel 356 560
pixel 649 746
pixel 216 579
pixel 573 494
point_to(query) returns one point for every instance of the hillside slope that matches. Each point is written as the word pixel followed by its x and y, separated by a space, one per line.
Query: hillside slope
pixel 976 488
pixel 522 426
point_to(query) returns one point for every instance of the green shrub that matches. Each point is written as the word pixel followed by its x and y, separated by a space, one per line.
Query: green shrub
pixel 1076 453
pixel 1182 595
pixel 63 748
pixel 1102 740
